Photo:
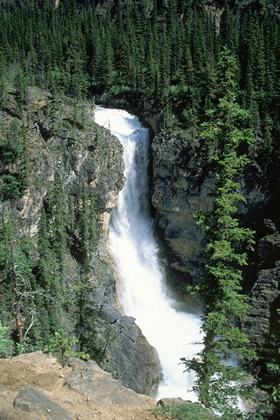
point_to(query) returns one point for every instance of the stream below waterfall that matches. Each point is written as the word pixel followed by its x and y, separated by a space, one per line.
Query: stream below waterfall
pixel 143 292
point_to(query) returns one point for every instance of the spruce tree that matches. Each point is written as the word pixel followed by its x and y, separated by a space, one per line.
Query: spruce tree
pixel 219 376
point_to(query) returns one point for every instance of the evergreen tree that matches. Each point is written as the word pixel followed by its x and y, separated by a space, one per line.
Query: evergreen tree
pixel 57 219
pixel 2 90
pixel 219 377
pixel 17 286
pixel 21 87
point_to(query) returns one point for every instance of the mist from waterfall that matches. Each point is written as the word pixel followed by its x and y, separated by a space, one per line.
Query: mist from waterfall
pixel 143 293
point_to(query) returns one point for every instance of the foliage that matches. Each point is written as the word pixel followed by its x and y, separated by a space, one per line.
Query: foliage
pixel 25 346
pixel 16 278
pixel 33 280
pixel 6 345
pixel 63 223
pixel 164 50
pixel 21 87
pixel 167 53
pixel 219 377
pixel 185 412
pixel 61 346
pixel 11 187
pixel 13 150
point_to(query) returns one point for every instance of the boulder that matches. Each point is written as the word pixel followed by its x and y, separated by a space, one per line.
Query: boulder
pixel 32 401
pixel 120 348
pixel 88 379
pixel 172 402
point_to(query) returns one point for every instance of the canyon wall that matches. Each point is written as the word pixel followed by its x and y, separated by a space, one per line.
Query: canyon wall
pixel 64 143
pixel 182 184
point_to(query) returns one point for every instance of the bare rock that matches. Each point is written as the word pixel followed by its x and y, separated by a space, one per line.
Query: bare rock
pixel 33 401
pixel 124 350
pixel 172 402
pixel 269 248
pixel 88 379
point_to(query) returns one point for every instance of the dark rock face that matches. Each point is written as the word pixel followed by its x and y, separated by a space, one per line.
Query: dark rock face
pixel 125 352
pixel 138 363
pixel 117 343
pixel 179 189
pixel 264 292
pixel 181 186
pixel 269 249
pixel 64 140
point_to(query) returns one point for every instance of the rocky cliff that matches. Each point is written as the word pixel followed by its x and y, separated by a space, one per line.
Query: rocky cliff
pixel 64 140
pixel 182 184
pixel 37 387
pixel 63 143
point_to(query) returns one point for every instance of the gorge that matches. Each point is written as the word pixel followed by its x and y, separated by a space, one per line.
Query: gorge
pixel 143 292
pixel 62 178
pixel 86 157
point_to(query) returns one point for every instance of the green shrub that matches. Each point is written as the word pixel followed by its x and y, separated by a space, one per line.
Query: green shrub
pixel 6 345
pixel 11 187
pixel 61 346
pixel 185 412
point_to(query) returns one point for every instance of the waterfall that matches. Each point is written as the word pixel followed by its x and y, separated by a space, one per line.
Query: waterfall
pixel 143 293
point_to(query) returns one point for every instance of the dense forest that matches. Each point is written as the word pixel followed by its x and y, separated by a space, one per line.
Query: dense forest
pixel 166 54
pixel 163 50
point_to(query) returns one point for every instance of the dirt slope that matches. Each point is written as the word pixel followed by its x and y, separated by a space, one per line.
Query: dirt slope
pixel 48 376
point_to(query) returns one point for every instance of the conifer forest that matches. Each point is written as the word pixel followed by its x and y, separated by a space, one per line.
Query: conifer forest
pixel 208 68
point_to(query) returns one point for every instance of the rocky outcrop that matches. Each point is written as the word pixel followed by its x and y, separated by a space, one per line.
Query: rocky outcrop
pixel 35 402
pixel 65 143
pixel 63 139
pixel 99 386
pixel 181 185
pixel 125 352
pixel 265 292
pixel 36 387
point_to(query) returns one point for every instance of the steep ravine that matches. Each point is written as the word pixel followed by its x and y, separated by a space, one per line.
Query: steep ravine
pixel 62 138
pixel 64 142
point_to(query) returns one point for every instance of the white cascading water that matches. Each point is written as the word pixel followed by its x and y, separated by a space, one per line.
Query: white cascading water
pixel 143 293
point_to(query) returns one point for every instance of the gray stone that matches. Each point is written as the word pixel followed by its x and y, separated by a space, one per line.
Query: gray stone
pixel 30 400
pixel 126 321
pixel 269 247
pixel 99 386
pixel 3 389
pixel 120 348
pixel 173 402
pixel 133 358
pixel 109 313
pixel 181 185
pixel 264 292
